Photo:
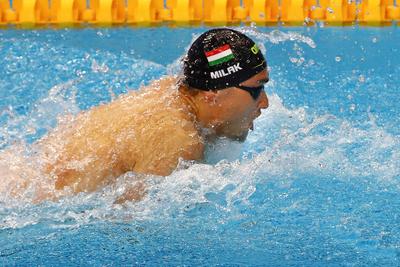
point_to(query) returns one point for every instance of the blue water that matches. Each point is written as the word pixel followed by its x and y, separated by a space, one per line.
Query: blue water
pixel 316 183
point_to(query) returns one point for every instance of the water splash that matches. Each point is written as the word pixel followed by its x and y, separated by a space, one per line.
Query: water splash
pixel 277 36
pixel 60 101
pixel 288 142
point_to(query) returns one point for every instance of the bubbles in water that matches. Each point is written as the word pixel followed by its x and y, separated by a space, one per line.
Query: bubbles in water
pixel 297 61
pixel 96 67
pixel 286 142
pixel 80 73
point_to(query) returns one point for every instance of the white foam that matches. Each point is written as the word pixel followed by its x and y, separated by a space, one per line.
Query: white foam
pixel 276 36
pixel 60 101
pixel 287 142
pixel 290 141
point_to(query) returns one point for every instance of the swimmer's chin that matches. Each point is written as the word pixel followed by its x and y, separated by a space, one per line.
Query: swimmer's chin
pixel 239 138
pixel 242 138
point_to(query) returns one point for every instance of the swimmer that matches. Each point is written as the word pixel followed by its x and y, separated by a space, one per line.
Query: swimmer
pixel 148 131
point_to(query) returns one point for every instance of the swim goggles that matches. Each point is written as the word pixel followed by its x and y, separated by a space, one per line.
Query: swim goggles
pixel 254 91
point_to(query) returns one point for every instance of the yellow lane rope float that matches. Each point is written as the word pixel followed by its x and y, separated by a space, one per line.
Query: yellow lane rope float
pixel 289 12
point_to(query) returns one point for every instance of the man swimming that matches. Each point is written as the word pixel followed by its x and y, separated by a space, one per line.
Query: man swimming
pixel 148 131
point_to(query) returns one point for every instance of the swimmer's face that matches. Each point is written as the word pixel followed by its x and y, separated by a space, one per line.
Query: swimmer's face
pixel 237 109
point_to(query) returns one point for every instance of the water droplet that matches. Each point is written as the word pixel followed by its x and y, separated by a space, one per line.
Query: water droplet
pixel 80 73
pixel 96 67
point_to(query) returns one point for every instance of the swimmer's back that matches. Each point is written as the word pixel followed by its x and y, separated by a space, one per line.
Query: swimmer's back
pixel 145 131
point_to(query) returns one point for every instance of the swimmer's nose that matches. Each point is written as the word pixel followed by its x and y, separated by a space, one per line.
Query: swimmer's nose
pixel 263 101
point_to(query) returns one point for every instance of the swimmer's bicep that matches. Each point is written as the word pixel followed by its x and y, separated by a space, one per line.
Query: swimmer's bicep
pixel 191 151
pixel 194 151
pixel 167 163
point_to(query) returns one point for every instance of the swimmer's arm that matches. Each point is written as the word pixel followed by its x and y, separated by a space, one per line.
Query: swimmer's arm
pixel 164 167
pixel 134 192
pixel 165 160
pixel 193 152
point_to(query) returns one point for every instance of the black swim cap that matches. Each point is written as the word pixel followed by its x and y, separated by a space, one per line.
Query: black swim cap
pixel 222 58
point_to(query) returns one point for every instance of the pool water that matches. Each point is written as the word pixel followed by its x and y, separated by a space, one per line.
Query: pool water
pixel 316 183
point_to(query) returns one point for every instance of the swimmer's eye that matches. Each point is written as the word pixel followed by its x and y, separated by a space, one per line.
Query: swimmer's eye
pixel 263 81
pixel 253 91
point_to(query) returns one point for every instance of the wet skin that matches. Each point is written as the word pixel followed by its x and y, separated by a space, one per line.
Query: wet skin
pixel 146 132
pixel 230 112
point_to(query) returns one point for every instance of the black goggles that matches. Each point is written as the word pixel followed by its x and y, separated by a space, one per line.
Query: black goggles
pixel 254 91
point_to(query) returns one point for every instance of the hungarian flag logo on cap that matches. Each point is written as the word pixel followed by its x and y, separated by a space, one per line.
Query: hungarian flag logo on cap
pixel 219 55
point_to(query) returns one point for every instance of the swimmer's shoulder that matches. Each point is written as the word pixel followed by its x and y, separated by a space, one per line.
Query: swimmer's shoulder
pixel 169 139
pixel 153 89
pixel 165 81
pixel 162 84
pixel 185 134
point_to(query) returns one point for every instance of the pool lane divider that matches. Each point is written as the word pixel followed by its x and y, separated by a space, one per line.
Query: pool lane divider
pixel 262 12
